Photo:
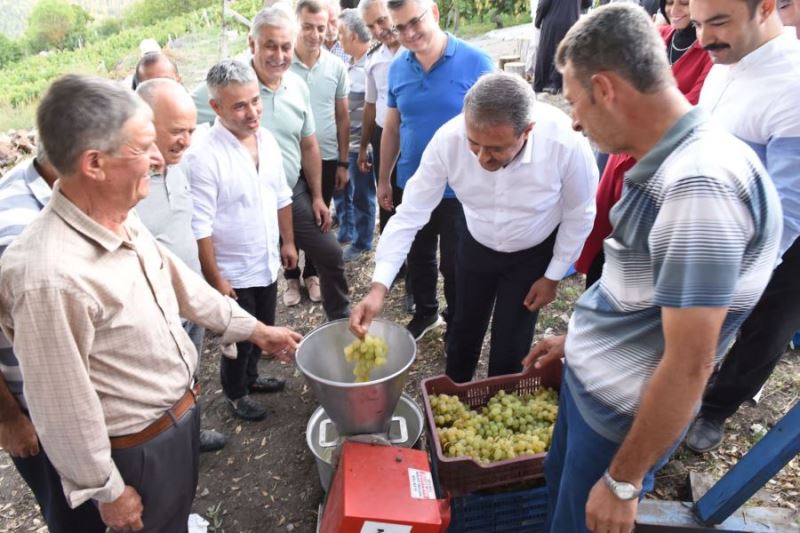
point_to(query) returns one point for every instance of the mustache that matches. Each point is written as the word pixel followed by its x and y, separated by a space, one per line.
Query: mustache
pixel 716 46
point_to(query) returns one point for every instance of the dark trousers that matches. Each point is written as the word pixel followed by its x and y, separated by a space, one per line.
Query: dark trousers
pixel 164 471
pixel 238 374
pixel 397 192
pixel 762 340
pixel 328 185
pixel 595 269
pixel 445 227
pixel 323 250
pixel 45 483
pixel 487 279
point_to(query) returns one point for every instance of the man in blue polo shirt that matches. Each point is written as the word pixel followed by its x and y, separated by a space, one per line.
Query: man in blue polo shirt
pixel 427 84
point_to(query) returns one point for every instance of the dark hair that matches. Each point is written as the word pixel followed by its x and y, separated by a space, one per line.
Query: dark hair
pixel 147 61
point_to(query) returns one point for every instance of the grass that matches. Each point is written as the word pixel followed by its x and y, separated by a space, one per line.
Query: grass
pixel 17 118
pixel 474 28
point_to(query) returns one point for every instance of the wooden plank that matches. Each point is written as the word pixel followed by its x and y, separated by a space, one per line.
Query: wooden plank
pixel 752 472
pixel 657 516
pixel 701 482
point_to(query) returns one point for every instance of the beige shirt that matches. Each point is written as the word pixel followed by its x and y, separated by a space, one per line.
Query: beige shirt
pixel 95 322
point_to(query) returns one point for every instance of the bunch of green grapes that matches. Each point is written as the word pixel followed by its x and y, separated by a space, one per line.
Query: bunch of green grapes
pixel 368 354
pixel 508 426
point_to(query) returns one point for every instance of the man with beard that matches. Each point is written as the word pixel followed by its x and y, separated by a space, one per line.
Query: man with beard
pixel 753 90
pixel 242 208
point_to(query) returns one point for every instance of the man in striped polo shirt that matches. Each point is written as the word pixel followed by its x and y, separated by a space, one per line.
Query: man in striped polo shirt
pixel 24 191
pixel 696 234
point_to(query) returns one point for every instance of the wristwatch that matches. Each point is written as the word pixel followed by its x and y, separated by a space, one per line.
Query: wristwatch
pixel 622 489
pixel 344 164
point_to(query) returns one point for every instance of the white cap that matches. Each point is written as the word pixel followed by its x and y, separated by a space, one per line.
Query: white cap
pixel 148 46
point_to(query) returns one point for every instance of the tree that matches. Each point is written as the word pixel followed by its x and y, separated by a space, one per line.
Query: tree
pixel 10 51
pixel 56 24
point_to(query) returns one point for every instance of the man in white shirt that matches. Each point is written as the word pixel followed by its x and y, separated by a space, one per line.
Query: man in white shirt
pixel 379 22
pixel 753 91
pixel 527 184
pixel 242 206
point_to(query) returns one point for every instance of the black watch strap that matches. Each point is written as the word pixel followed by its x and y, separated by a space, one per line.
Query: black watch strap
pixel 343 164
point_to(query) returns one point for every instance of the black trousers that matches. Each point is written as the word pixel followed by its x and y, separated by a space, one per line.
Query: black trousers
pixel 445 228
pixel 323 250
pixel 45 483
pixel 328 185
pixel 238 374
pixel 595 269
pixel 487 279
pixel 397 192
pixel 762 340
pixel 164 471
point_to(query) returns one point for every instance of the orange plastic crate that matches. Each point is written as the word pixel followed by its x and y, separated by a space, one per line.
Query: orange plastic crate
pixel 462 475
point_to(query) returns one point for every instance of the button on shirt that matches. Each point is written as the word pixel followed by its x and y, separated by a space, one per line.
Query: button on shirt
pixel 236 204
pixel 286 113
pixel 426 100
pixel 378 80
pixel 95 323
pixel 758 100
pixel 551 183
pixel 327 82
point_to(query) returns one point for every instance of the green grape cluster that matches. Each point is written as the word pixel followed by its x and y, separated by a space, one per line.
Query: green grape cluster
pixel 368 354
pixel 508 426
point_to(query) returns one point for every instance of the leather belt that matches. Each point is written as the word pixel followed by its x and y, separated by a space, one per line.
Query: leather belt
pixel 169 419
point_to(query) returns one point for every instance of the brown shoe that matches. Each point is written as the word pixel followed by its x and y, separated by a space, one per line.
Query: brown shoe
pixel 291 296
pixel 312 286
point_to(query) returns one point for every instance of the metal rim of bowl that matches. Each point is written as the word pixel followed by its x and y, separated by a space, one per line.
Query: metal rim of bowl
pixel 356 385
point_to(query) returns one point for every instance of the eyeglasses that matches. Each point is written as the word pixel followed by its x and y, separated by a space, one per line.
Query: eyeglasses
pixel 382 22
pixel 412 24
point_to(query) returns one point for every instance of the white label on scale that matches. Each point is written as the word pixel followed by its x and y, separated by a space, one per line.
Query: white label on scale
pixel 421 483
pixel 380 527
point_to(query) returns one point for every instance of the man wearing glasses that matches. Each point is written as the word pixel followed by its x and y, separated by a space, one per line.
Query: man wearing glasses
pixel 427 84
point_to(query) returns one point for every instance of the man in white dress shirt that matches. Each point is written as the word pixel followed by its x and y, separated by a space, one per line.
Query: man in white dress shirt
pixel 527 184
pixel 242 205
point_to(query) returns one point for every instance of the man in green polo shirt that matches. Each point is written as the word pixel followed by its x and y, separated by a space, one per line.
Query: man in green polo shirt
pixel 287 115
pixel 326 77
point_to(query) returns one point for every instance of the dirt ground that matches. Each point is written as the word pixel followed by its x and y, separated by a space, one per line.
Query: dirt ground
pixel 265 480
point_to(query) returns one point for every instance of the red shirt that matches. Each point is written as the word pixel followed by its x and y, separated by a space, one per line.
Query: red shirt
pixel 690 71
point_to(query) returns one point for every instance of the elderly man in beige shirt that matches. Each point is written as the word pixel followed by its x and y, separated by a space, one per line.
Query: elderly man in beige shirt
pixel 93 306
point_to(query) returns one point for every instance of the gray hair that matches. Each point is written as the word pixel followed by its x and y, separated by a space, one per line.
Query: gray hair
pixel 500 98
pixel 363 5
pixel 226 72
pixel 80 113
pixel 277 16
pixel 355 25
pixel 149 90
pixel 399 4
pixel 620 38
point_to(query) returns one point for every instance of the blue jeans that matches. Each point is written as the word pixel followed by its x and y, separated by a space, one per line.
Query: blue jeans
pixel 356 207
pixel 577 458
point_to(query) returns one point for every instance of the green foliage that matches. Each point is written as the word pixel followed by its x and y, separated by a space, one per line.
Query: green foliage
pixel 482 10
pixel 56 24
pixel 146 12
pixel 23 82
pixel 10 51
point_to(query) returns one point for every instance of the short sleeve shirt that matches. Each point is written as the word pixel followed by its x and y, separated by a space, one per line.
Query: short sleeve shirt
pixel 327 82
pixel 698 225
pixel 287 115
pixel 426 100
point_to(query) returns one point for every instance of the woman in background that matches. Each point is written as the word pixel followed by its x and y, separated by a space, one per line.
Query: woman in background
pixel 690 66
